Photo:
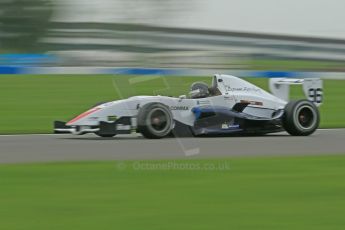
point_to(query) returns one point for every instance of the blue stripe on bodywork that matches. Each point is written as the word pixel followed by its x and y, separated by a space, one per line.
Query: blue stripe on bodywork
pixel 197 112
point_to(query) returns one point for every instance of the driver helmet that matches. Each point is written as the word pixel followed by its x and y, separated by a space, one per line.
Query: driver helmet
pixel 199 90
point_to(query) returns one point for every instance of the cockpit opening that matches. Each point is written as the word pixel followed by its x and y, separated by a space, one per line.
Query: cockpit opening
pixel 202 90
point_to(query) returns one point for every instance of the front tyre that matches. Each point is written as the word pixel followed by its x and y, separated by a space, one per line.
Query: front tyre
pixel 301 118
pixel 155 121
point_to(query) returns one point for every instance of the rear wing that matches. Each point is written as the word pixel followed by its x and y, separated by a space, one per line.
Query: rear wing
pixel 312 88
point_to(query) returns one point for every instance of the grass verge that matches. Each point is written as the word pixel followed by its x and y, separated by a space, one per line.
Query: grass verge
pixel 249 193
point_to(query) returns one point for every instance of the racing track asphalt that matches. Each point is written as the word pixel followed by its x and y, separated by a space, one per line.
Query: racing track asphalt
pixel 51 148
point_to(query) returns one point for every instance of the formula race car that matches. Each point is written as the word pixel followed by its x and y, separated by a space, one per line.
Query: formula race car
pixel 229 106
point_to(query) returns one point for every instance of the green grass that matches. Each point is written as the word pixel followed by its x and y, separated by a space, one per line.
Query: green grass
pixel 29 104
pixel 255 193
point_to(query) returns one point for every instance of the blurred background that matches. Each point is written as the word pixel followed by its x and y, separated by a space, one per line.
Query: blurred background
pixel 197 34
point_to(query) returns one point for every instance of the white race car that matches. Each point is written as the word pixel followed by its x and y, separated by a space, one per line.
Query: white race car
pixel 229 106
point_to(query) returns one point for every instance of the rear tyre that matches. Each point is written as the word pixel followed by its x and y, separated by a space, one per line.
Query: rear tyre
pixel 301 118
pixel 155 121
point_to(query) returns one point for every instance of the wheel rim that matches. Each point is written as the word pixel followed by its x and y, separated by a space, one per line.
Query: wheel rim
pixel 158 121
pixel 305 117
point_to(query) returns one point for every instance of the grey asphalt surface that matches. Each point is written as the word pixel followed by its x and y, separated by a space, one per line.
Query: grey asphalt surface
pixel 52 148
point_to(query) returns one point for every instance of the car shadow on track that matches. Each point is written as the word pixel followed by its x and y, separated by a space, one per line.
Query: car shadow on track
pixel 123 138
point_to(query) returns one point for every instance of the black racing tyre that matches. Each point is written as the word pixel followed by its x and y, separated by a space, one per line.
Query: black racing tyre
pixel 105 135
pixel 301 118
pixel 155 120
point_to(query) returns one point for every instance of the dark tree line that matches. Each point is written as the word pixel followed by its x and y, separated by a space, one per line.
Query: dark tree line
pixel 23 23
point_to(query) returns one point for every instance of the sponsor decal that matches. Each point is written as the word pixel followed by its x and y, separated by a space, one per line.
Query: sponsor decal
pixel 203 102
pixel 234 126
pixel 225 126
pixel 112 118
pixel 229 98
pixel 243 89
pixel 179 107
pixel 258 103
pixel 93 118
pixel 123 127
pixel 230 126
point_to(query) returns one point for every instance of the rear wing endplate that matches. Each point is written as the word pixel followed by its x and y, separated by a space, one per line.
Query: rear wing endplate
pixel 312 88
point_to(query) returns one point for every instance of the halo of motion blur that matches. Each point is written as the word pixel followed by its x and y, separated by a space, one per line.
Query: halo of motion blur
pixel 230 106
